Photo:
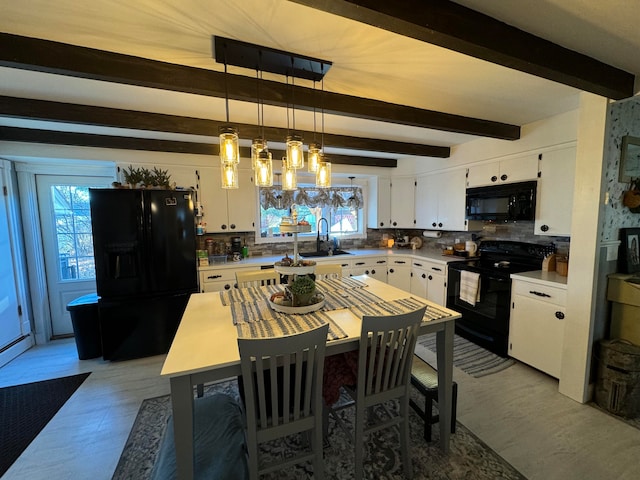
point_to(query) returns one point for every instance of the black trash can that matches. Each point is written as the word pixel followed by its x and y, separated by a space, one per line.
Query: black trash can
pixel 618 385
pixel 86 326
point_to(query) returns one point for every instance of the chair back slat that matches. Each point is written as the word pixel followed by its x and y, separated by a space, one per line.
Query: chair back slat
pixel 257 278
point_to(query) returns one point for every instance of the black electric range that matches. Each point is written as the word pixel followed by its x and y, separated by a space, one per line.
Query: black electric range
pixel 486 321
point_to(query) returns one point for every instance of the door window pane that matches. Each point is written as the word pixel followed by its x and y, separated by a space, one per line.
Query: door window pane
pixel 72 220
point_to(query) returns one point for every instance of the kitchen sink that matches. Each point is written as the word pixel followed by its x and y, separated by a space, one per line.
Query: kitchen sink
pixel 322 253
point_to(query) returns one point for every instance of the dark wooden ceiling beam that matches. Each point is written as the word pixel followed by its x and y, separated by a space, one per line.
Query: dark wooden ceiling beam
pixel 455 27
pixel 52 137
pixel 63 59
pixel 45 110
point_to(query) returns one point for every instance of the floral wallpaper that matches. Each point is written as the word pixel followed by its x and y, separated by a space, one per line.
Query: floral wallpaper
pixel 623 119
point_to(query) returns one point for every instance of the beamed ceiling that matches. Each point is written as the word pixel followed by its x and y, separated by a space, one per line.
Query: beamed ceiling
pixel 408 79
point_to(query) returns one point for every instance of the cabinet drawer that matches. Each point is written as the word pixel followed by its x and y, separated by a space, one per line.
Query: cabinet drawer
pixel 543 293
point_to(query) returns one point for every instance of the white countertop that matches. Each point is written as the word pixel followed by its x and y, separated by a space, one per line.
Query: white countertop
pixel 354 253
pixel 552 279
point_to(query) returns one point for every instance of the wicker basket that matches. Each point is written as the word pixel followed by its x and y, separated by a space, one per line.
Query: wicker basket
pixel 631 198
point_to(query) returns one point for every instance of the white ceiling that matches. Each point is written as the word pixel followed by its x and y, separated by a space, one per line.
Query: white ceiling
pixel 367 62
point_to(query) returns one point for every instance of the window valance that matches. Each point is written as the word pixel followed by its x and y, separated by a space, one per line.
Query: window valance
pixel 334 197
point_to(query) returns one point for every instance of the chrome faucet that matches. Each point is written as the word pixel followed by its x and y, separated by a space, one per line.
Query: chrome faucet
pixel 319 228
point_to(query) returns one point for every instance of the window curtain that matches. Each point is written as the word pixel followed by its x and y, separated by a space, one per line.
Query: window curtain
pixel 334 197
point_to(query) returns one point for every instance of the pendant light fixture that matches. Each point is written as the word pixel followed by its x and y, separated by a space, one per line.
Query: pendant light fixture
pixel 229 147
pixel 264 169
pixel 295 153
pixel 323 172
pixel 352 201
pixel 289 181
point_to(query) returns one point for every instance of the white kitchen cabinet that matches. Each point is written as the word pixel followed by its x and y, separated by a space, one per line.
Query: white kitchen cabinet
pixel 215 279
pixel 403 202
pixel 429 280
pixel 554 201
pixel 440 201
pixel 379 204
pixel 227 210
pixel 399 272
pixel 375 267
pixel 512 170
pixel 343 260
pixel 536 326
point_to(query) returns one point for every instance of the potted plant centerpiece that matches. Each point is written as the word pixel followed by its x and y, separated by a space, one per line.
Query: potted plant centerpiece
pixel 302 289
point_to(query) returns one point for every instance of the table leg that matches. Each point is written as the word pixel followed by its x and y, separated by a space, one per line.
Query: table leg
pixel 444 347
pixel 182 400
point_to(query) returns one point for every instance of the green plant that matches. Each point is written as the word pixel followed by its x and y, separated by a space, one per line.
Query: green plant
pixel 132 176
pixel 162 177
pixel 302 285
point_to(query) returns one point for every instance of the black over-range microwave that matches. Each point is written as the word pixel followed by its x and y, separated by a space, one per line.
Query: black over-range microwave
pixel 506 202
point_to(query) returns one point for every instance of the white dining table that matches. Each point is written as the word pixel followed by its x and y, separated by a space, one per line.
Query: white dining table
pixel 205 350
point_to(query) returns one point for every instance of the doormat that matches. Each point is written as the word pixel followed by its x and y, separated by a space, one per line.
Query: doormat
pixel 26 409
pixel 469 456
pixel 467 356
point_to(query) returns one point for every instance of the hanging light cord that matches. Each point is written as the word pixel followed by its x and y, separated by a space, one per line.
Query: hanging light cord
pixel 226 87
pixel 322 114
pixel 293 95
pixel 314 110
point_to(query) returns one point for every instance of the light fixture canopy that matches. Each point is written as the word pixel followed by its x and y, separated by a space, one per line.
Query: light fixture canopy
pixel 289 181
pixel 229 146
pixel 323 174
pixel 229 175
pixel 264 169
pixel 313 157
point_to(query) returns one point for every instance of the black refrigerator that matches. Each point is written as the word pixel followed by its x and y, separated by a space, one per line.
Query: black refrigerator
pixel 145 256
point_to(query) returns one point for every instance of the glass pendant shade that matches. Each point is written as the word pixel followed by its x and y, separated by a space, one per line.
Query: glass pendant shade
pixel 295 153
pixel 323 175
pixel 289 181
pixel 264 170
pixel 314 157
pixel 229 175
pixel 229 148
pixel 257 146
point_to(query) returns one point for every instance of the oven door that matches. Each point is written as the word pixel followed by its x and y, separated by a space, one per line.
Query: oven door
pixel 487 322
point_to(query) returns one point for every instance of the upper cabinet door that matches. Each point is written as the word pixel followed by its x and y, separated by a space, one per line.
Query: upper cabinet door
pixel 214 200
pixel 403 202
pixel 518 169
pixel 554 202
pixel 379 203
pixel 242 203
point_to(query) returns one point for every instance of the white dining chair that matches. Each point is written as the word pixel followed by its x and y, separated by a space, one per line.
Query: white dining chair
pixel 385 356
pixel 282 391
pixel 257 278
pixel 328 270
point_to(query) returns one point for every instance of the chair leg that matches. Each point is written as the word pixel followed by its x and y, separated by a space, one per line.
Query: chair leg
pixel 359 443
pixel 252 456
pixel 454 403
pixel 318 458
pixel 428 416
pixel 405 440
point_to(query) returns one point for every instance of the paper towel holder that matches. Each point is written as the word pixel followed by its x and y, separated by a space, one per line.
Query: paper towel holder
pixel 432 234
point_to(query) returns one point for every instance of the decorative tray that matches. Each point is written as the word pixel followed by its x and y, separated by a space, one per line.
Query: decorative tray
pixel 299 310
pixel 291 228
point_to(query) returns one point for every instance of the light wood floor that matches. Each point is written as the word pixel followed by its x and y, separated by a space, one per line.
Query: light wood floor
pixel 517 412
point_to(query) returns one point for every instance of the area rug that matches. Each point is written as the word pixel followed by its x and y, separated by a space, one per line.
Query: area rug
pixel 467 356
pixel 26 409
pixel 469 458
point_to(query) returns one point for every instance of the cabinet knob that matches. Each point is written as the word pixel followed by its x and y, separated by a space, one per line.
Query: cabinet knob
pixel 544 228
pixel 233 226
pixel 494 179
pixel 223 227
pixel 424 275
pixel 503 177
pixel 382 224
pixel 227 286
pixel 366 272
pixel 373 272
pixel 434 224
pixel 560 315
pixel 430 277
pixel 395 223
pixel 391 270
pixel 440 224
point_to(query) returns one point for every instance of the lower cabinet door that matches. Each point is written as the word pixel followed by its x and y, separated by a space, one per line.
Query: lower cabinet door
pixel 536 334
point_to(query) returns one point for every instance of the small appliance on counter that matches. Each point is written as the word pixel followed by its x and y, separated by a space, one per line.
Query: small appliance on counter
pixel 236 245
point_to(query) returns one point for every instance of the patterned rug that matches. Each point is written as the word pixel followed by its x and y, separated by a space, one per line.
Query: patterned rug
pixel 470 457
pixel 467 356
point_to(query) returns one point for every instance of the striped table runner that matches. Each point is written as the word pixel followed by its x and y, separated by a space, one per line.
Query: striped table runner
pixel 395 307
pixel 280 325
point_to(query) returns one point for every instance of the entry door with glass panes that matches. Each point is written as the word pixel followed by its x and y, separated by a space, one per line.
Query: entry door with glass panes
pixel 65 218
